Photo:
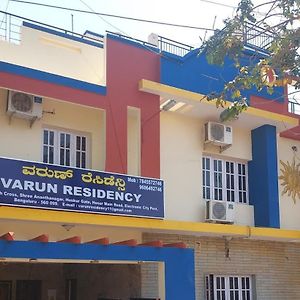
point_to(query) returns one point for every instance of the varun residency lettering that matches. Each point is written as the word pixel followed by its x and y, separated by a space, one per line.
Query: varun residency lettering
pixel 28 185
pixel 100 194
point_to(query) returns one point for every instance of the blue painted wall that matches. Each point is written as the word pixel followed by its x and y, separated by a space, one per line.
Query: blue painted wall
pixel 193 73
pixel 179 263
pixel 263 177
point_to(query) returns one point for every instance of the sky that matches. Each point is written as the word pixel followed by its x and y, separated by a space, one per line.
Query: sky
pixel 200 13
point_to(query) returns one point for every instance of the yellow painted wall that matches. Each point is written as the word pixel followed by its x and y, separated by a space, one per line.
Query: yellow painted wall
pixel 181 167
pixel 18 140
pixel 28 230
pixel 57 55
pixel 133 141
pixel 289 211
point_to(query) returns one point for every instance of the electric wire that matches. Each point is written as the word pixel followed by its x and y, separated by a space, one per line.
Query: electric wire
pixel 100 17
pixel 115 16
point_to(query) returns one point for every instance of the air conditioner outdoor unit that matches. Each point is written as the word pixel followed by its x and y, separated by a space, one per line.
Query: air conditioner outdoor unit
pixel 23 105
pixel 219 211
pixel 218 134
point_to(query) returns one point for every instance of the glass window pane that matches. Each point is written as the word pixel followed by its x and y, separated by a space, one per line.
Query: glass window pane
pixel 51 155
pixel 223 282
pixel 236 282
pixel 208 193
pixel 223 295
pixel 68 141
pixel 247 282
pixel 78 159
pixel 67 157
pixel 220 195
pixel 207 163
pixel 78 144
pixel 230 282
pixel 62 156
pixel 83 143
pixel 218 283
pixel 45 137
pixel 45 154
pixel 227 181
pixel 236 295
pixel 207 178
pixel 83 160
pixel 51 138
pixel 244 295
pixel 62 140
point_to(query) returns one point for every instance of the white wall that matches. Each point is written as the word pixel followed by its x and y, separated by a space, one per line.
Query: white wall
pixel 289 211
pixel 181 167
pixel 18 140
pixel 57 55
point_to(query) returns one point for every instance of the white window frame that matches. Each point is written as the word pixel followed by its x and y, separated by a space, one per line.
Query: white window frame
pixel 57 147
pixel 209 189
pixel 224 292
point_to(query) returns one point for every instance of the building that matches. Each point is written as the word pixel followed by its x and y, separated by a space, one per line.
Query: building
pixel 109 191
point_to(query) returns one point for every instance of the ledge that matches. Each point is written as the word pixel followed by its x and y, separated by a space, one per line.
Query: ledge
pixel 162 226
pixel 251 118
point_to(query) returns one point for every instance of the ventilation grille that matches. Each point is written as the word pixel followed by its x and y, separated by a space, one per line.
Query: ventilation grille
pixel 217 131
pixel 22 102
pixel 219 210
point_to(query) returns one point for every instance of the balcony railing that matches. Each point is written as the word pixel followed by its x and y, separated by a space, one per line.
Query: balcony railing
pixel 257 36
pixel 294 107
pixel 10 26
pixel 171 46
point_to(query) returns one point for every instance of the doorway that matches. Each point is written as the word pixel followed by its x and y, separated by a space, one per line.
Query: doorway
pixel 5 290
pixel 29 290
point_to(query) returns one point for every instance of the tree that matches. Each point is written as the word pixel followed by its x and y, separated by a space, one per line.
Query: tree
pixel 274 62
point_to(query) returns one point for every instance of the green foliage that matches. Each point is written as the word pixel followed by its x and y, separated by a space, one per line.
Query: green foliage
pixel 281 22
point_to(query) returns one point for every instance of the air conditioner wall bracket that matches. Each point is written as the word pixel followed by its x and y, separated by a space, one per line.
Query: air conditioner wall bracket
pixel 223 148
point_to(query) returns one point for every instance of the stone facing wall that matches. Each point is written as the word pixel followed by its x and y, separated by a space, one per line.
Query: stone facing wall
pixel 275 266
pixel 149 284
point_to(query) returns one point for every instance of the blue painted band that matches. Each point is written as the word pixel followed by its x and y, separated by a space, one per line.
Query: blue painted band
pixel 52 78
pixel 179 263
pixel 133 42
pixel 64 35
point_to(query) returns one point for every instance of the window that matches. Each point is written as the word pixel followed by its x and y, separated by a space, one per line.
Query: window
pixel 5 290
pixel 65 148
pixel 229 287
pixel 224 180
